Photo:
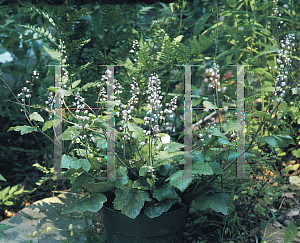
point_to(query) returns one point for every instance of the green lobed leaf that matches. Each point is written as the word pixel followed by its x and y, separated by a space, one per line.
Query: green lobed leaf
pixel 202 168
pixel 216 132
pixel 216 168
pixel 173 147
pixel 137 131
pixel 93 203
pixel 229 126
pixel 24 129
pixel 143 170
pixel 219 202
pixel 130 201
pixel 141 183
pixel 121 172
pixel 177 180
pixel 72 162
pixel 36 116
pixel 49 124
pixel 166 192
pixel 66 135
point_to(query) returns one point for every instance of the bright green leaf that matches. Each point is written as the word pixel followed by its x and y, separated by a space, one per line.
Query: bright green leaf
pixel 72 162
pixel 36 116
pixel 93 203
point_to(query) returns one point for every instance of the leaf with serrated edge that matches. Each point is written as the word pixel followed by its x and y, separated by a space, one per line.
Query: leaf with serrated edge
pixel 130 201
pixel 180 183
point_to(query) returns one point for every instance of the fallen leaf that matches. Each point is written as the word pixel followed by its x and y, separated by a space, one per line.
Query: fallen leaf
pixel 293 212
pixel 295 180
pixel 294 167
pixel 288 195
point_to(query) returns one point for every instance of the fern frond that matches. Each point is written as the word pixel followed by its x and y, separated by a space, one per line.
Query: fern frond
pixel 54 54
pixel 143 10
pixel 42 31
pixel 77 14
pixel 183 54
pixel 198 46
pixel 45 15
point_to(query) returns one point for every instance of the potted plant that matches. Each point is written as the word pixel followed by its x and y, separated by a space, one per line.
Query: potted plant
pixel 147 187
pixel 145 198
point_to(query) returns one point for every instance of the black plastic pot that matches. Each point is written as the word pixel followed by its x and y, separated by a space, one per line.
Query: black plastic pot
pixel 167 228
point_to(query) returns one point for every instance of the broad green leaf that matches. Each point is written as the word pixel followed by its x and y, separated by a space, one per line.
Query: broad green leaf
pixel 4 192
pixel 224 141
pixel 138 120
pixel 290 233
pixel 93 203
pixel 153 211
pixel 201 23
pixel 179 181
pixel 229 126
pixel 260 114
pixel 101 142
pixel 167 169
pixel 36 116
pixel 296 153
pixel 5 227
pixel 216 132
pixel 230 154
pixel 100 123
pixel 216 168
pixel 130 201
pixel 98 187
pixel 202 168
pixel 75 83
pixel 198 156
pixel 72 162
pixel 121 172
pixel 141 183
pixel 66 135
pixel 62 92
pixel 219 202
pixel 143 170
pixel 23 129
pixel 277 140
pixel 137 131
pixel 173 147
pixel 208 105
pixel 49 124
pixel 166 192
